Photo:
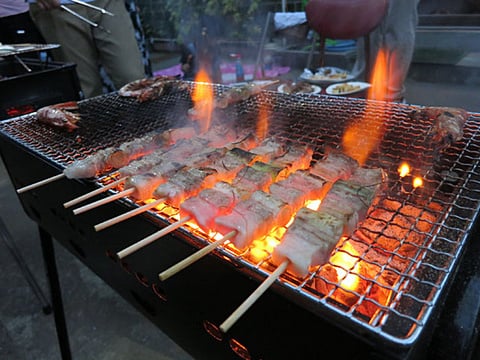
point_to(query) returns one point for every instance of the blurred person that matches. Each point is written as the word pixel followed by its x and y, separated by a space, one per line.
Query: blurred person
pixel 16 24
pixel 396 35
pixel 140 35
pixel 111 46
pixel 188 62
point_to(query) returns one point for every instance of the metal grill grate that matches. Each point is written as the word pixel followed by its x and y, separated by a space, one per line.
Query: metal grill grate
pixel 401 256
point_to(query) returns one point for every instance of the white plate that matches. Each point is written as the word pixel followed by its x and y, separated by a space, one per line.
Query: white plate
pixel 315 90
pixel 359 86
pixel 326 75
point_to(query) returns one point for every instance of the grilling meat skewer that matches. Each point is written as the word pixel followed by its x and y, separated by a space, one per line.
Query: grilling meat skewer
pixel 312 236
pixel 215 137
pixel 447 126
pixel 147 173
pixel 160 158
pixel 250 178
pixel 142 187
pixel 151 88
pixel 115 157
pixel 275 209
pixel 345 205
pixel 231 96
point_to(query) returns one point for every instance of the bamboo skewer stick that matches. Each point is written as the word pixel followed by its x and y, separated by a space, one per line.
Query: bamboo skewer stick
pixel 93 193
pixel 128 215
pixel 235 316
pixel 149 239
pixel 103 201
pixel 40 183
pixel 194 257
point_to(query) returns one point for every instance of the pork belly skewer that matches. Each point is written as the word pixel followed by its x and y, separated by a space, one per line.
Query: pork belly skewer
pixel 259 214
pixel 115 157
pixel 141 186
pixel 195 147
pixel 249 179
pixel 184 184
pixel 309 241
pixel 174 190
pixel 182 147
pixel 340 212
pixel 257 175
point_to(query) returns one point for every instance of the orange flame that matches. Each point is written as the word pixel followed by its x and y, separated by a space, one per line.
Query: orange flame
pixel 403 170
pixel 346 260
pixel 361 138
pixel 417 182
pixel 202 97
pixel 262 124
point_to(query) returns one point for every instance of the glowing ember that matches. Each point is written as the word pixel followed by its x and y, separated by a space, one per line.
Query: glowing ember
pixel 403 170
pixel 202 97
pixel 313 204
pixel 347 263
pixel 263 248
pixel 417 182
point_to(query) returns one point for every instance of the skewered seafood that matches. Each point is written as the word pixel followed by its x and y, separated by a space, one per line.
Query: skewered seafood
pixel 149 88
pixel 313 234
pixel 61 115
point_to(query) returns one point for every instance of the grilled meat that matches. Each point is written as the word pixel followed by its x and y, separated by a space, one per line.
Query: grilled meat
pixel 116 157
pixel 313 234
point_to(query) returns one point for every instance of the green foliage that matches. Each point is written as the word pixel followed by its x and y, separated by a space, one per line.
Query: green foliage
pixel 236 19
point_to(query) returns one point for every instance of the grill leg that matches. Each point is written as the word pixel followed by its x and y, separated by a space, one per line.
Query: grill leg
pixel 17 256
pixel 56 294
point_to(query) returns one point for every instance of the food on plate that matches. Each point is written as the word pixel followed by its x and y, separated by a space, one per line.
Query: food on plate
pixel 330 76
pixel 301 87
pixel 310 239
pixel 63 115
pixel 345 88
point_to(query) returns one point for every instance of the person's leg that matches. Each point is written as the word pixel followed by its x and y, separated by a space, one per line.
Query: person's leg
pixel 118 50
pixel 396 35
pixel 76 43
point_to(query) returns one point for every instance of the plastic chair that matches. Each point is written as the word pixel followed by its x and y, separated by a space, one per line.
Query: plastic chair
pixel 345 19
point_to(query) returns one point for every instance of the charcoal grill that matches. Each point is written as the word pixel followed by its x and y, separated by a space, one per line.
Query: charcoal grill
pixel 406 255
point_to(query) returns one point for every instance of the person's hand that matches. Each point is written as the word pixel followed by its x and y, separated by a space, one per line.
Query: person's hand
pixel 48 4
